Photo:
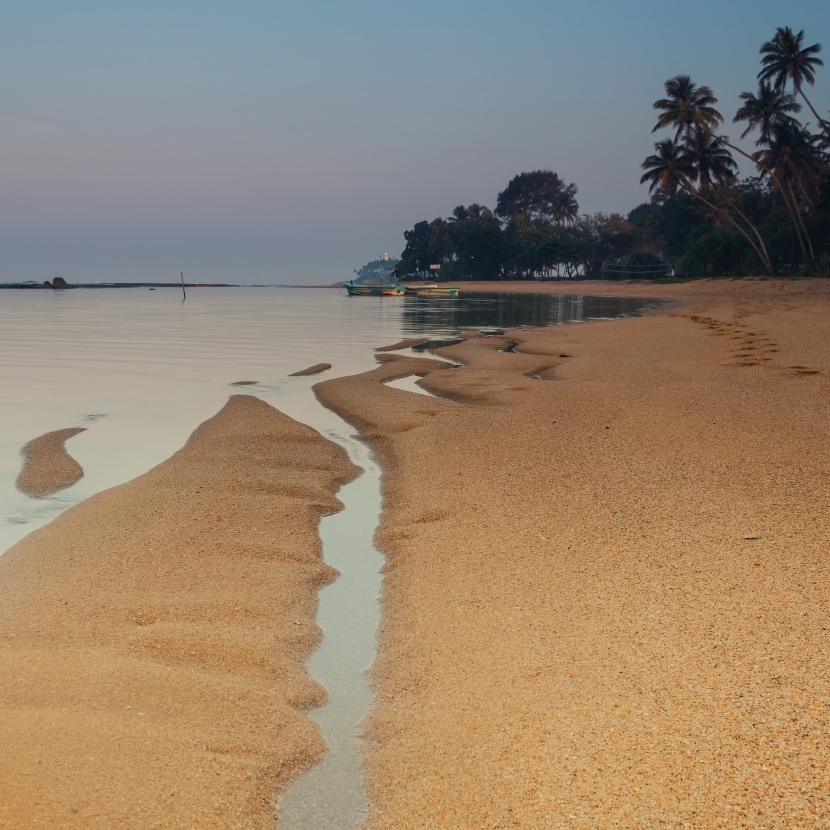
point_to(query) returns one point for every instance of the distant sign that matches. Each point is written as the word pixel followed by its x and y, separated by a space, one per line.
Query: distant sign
pixel 434 267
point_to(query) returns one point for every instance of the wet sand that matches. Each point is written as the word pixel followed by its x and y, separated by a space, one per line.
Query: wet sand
pixel 607 591
pixel 153 638
pixel 316 369
pixel 47 466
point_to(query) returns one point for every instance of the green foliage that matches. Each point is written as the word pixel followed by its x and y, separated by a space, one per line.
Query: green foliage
pixel 823 265
pixel 378 270
pixel 670 225
pixel 428 243
pixel 716 253
pixel 775 219
pixel 540 194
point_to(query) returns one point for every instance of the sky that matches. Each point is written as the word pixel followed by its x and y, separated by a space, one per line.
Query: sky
pixel 268 141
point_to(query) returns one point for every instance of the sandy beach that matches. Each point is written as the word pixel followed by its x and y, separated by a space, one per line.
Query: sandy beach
pixel 605 602
pixel 606 594
pixel 153 638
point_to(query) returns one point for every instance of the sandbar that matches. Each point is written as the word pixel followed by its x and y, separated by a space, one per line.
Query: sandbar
pixel 47 466
pixel 607 588
pixel 316 369
pixel 153 638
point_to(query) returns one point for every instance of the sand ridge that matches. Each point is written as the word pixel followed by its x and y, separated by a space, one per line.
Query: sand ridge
pixel 47 466
pixel 606 595
pixel 316 369
pixel 153 638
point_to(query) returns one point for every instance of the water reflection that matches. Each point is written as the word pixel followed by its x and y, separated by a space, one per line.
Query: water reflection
pixel 506 310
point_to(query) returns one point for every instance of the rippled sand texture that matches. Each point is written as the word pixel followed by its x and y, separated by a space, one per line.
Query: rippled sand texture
pixel 607 592
pixel 47 466
pixel 153 638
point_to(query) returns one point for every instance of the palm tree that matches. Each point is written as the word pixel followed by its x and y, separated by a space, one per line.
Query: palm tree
pixel 770 106
pixel 793 159
pixel 688 108
pixel 792 153
pixel 670 168
pixel 674 166
pixel 714 163
pixel 567 208
pixel 786 60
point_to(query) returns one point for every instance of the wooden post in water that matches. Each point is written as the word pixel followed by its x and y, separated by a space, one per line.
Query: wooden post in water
pixel 184 296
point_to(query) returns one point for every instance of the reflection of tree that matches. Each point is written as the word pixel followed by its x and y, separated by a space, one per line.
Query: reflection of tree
pixel 497 311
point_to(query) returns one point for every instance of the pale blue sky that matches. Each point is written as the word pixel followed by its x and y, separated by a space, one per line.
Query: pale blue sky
pixel 291 142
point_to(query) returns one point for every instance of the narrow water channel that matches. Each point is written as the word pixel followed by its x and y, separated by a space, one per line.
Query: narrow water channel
pixel 330 795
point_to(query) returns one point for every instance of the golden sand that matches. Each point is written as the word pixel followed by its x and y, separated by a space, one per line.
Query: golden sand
pixel 47 466
pixel 607 594
pixel 153 638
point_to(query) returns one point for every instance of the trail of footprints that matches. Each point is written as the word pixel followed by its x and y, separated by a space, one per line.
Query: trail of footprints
pixel 749 348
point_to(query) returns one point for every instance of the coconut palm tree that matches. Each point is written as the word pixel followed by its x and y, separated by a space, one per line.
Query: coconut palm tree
pixel 688 108
pixel 770 106
pixel 670 168
pixel 675 166
pixel 793 159
pixel 793 154
pixel 786 60
pixel 714 163
pixel 567 208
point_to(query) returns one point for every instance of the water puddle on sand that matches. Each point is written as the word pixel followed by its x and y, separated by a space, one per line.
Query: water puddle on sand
pixel 408 384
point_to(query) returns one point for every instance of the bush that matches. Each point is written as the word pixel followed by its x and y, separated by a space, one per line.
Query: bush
pixel 719 252
pixel 823 265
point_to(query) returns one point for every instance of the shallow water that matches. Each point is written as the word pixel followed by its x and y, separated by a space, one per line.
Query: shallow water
pixel 141 369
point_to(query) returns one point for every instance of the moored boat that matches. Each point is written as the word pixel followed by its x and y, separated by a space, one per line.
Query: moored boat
pixel 432 290
pixel 374 290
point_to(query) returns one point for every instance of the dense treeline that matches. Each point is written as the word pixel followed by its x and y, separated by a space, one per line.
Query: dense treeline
pixel 701 220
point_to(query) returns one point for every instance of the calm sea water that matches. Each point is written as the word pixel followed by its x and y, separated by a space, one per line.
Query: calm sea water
pixel 141 369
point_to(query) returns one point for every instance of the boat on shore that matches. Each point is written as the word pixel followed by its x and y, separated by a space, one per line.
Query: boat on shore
pixel 432 290
pixel 356 289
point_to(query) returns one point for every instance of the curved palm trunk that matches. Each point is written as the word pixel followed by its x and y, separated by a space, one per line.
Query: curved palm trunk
pixel 793 209
pixel 758 245
pixel 795 217
pixel 811 256
pixel 821 121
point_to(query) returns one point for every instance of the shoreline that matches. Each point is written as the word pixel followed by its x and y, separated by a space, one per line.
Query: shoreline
pixel 606 592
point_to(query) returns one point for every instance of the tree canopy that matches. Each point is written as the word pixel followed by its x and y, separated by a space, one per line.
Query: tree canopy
pixel 540 194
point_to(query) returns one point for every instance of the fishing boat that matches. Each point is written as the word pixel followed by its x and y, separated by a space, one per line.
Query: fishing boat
pixel 356 289
pixel 432 290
